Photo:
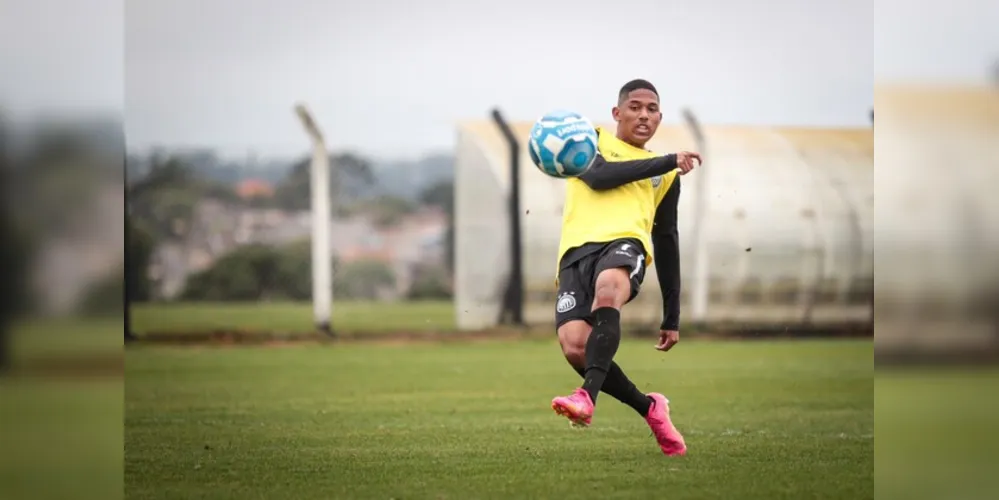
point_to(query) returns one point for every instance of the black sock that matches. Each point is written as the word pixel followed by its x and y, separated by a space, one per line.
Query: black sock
pixel 619 387
pixel 601 348
pixel 622 389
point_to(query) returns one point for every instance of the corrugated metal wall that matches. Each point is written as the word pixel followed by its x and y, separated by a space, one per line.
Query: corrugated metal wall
pixel 789 226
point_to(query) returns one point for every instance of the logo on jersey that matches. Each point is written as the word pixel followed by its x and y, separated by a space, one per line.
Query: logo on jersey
pixel 566 302
pixel 656 181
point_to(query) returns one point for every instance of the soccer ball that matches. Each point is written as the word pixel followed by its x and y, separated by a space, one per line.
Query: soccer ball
pixel 563 144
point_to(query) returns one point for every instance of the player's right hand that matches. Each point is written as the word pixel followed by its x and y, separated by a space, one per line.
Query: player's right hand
pixel 685 161
pixel 667 339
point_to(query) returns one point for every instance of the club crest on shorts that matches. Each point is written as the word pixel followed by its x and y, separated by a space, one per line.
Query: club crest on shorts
pixel 566 302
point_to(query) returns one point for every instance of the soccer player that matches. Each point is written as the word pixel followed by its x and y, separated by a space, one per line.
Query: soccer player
pixel 617 215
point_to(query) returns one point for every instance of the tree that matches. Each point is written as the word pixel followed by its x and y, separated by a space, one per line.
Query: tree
pixel 164 173
pixel 256 272
pixel 165 199
pixel 167 195
pixel 262 272
pixel 430 283
pixel 362 279
pixel 9 269
pixel 442 195
pixel 140 247
pixel 18 245
pixel 247 273
pixel 54 146
pixel 353 172
pixel 388 210
pixel 294 270
pixel 105 296
pixel 9 253
pixel 57 175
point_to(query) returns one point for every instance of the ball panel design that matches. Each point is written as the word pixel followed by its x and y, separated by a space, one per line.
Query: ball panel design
pixel 562 144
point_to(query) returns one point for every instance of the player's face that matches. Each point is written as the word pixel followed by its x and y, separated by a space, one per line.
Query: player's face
pixel 638 117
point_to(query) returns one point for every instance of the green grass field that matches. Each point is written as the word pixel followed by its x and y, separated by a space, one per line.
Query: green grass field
pixel 61 438
pixel 89 336
pixel 354 317
pixel 938 431
pixel 762 419
pixel 66 337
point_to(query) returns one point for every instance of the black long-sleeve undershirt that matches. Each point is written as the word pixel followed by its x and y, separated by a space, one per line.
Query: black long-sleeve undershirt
pixel 666 242
pixel 604 175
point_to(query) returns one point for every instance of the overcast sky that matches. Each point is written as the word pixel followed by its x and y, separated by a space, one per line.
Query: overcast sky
pixel 391 78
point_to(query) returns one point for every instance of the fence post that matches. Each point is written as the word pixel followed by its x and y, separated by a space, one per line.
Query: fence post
pixel 513 298
pixel 322 261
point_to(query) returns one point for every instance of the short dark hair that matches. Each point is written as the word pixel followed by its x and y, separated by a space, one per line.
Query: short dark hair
pixel 637 84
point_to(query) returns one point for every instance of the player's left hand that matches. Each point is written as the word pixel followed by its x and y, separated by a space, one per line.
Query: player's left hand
pixel 685 161
pixel 667 339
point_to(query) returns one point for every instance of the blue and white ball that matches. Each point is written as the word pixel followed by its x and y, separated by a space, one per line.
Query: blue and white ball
pixel 563 144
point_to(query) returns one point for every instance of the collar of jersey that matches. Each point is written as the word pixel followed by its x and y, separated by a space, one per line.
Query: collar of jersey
pixel 604 134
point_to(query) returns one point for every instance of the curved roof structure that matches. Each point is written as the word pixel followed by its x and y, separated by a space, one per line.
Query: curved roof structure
pixel 786 207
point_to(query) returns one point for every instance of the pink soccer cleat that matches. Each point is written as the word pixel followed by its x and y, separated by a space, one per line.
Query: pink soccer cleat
pixel 577 407
pixel 669 439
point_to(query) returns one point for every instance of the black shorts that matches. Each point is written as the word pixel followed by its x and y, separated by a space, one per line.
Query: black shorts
pixel 577 276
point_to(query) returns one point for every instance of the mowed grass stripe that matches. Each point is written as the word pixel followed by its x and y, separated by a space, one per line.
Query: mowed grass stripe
pixel 293 317
pixel 763 420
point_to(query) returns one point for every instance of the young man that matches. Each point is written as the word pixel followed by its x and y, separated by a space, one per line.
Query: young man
pixel 616 214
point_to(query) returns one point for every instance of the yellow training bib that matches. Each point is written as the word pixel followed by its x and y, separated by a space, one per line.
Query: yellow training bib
pixel 623 212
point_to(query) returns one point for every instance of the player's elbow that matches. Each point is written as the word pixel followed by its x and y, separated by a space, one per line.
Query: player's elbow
pixel 670 239
pixel 668 243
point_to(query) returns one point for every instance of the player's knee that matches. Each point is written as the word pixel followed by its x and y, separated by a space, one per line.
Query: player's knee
pixel 575 354
pixel 572 337
pixel 612 289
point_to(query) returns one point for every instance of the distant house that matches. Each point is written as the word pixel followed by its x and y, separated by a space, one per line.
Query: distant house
pixel 254 188
pixel 418 239
pixel 218 228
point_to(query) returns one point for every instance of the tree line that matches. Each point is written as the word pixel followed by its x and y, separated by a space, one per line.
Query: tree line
pixel 162 205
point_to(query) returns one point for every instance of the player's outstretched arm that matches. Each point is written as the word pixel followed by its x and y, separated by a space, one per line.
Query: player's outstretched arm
pixel 666 242
pixel 602 175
